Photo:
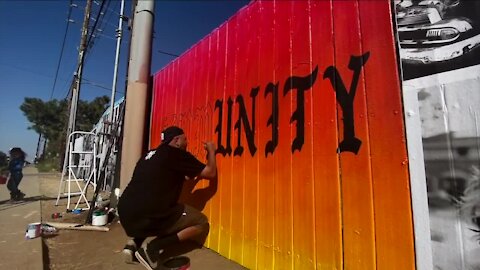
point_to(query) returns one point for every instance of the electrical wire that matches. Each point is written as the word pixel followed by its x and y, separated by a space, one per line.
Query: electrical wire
pixel 104 24
pixel 105 36
pixel 27 70
pixel 87 46
pixel 92 83
pixel 94 25
pixel 63 47
pixel 94 33
pixel 113 11
pixel 167 53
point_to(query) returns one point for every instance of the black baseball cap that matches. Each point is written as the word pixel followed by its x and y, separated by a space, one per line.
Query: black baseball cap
pixel 169 133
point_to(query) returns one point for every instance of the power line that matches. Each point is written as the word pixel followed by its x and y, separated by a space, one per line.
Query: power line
pixel 86 46
pixel 25 70
pixel 61 51
pixel 101 19
pixel 105 23
pixel 114 11
pixel 100 32
pixel 107 36
pixel 95 24
pixel 92 83
pixel 167 53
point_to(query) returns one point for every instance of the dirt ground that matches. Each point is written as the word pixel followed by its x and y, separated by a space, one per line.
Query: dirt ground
pixel 75 249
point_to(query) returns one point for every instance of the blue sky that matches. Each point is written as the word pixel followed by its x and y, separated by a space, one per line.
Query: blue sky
pixel 31 38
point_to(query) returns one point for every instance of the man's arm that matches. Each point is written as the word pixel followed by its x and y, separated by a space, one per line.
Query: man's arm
pixel 210 170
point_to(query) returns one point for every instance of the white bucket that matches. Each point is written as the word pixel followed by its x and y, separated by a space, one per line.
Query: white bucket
pixel 33 230
pixel 99 219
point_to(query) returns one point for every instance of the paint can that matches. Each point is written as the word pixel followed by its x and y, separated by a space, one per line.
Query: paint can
pixel 3 180
pixel 56 215
pixel 99 218
pixel 34 230
pixel 177 263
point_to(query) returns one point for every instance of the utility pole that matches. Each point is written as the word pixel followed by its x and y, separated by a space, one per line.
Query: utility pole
pixel 137 89
pixel 78 74
pixel 117 54
pixel 110 128
pixel 75 93
pixel 37 153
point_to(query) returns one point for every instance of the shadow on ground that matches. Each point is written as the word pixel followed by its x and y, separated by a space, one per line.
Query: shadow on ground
pixel 177 250
pixel 7 204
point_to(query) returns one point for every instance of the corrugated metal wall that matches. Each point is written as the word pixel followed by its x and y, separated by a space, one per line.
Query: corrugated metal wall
pixel 303 101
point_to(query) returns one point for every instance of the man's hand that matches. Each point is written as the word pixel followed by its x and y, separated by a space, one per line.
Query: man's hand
pixel 209 146
pixel 210 170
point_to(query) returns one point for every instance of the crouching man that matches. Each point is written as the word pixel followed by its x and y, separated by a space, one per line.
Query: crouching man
pixel 149 204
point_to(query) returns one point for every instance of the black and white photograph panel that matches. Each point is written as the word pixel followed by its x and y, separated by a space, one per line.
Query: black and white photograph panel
pixel 437 35
pixel 449 107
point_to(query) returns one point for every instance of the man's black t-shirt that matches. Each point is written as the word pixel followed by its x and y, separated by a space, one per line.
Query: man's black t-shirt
pixel 155 188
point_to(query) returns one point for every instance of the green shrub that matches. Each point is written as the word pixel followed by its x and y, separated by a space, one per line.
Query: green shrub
pixel 48 165
pixel 4 170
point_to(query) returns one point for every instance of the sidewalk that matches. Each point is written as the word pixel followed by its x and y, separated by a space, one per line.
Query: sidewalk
pixel 16 252
pixel 71 249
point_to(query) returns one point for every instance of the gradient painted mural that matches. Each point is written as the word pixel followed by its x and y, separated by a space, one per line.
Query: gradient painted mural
pixel 303 101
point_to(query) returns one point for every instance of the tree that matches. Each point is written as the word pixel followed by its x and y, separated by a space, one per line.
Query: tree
pixel 90 112
pixel 50 118
pixel 47 118
pixel 3 159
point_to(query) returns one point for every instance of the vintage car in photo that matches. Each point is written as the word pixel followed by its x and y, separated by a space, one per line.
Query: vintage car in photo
pixel 434 31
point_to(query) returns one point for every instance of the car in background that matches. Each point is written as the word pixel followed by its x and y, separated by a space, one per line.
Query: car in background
pixel 435 31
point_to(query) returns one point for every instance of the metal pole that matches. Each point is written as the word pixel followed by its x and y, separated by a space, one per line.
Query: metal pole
pixel 117 54
pixel 77 79
pixel 137 89
pixel 38 147
pixel 78 75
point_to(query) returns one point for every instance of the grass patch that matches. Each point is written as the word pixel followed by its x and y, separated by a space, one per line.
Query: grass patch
pixel 48 165
pixel 3 169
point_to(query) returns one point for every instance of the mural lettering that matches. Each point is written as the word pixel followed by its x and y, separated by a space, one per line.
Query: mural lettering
pixel 302 84
pixel 218 129
pixel 273 119
pixel 249 130
pixel 350 142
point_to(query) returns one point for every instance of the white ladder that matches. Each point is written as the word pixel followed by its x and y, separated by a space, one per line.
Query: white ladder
pixel 87 162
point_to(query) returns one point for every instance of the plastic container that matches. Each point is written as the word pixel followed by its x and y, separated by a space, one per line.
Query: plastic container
pixel 3 180
pixel 99 218
pixel 56 215
pixel 177 263
pixel 34 230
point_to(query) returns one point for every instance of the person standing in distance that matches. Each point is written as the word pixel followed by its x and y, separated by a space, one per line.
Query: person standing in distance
pixel 149 205
pixel 15 166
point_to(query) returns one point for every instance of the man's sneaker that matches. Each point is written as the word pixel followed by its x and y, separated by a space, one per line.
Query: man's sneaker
pixel 148 258
pixel 128 253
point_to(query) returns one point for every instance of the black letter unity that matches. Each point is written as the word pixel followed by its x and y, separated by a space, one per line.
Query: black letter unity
pixel 294 85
